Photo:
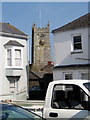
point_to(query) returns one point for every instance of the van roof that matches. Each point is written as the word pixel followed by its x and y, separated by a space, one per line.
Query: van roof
pixel 73 81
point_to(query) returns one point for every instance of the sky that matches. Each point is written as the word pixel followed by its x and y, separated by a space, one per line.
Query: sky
pixel 23 14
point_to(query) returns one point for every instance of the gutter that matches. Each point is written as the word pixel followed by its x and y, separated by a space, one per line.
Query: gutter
pixel 72 65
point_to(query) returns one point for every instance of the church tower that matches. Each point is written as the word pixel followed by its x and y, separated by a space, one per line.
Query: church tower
pixel 40 47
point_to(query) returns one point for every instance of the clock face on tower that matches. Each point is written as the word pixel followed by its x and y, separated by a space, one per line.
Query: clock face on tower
pixel 41 42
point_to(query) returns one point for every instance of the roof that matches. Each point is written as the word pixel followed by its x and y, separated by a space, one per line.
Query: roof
pixel 72 65
pixel 83 21
pixel 48 68
pixel 14 43
pixel 71 81
pixel 36 74
pixel 8 29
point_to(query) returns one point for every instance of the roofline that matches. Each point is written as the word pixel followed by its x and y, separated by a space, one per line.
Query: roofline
pixel 14 35
pixel 34 74
pixel 58 29
pixel 13 43
pixel 70 81
pixel 72 65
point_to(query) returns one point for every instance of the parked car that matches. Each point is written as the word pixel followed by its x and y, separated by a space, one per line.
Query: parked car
pixel 14 112
pixel 36 93
pixel 35 88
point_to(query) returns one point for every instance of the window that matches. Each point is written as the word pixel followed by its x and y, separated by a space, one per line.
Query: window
pixel 77 44
pixel 67 96
pixel 9 57
pixel 18 59
pixel 14 57
pixel 85 76
pixel 68 76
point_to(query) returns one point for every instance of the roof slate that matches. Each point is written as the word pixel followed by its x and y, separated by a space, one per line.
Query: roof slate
pixel 83 21
pixel 8 28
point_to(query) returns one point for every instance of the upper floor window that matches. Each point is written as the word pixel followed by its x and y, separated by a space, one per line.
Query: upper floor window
pixel 14 54
pixel 14 57
pixel 9 57
pixel 77 43
pixel 18 58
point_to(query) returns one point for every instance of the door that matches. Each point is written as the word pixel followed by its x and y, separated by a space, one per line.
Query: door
pixel 13 84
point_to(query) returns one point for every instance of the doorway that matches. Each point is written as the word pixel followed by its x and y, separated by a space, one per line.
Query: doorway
pixel 13 83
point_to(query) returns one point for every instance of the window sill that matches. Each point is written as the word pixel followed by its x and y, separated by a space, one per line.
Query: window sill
pixel 15 68
pixel 13 71
pixel 75 52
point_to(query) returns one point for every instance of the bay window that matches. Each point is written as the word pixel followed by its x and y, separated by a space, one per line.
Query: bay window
pixel 14 57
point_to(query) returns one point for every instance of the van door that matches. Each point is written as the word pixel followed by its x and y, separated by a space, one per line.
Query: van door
pixel 68 101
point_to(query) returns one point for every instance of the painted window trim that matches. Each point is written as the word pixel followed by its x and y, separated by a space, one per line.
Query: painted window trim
pixel 72 44
pixel 13 57
pixel 83 72
pixel 67 72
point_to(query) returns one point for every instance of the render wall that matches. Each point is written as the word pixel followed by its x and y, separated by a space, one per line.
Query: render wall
pixel 4 82
pixel 65 56
pixel 62 43
pixel 59 74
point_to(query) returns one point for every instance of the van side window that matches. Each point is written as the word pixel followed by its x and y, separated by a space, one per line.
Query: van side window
pixel 69 97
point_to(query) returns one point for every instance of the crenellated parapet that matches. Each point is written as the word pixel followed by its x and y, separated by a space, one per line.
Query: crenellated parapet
pixel 41 29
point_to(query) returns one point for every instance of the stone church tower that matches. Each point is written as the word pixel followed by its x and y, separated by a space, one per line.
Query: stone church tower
pixel 40 47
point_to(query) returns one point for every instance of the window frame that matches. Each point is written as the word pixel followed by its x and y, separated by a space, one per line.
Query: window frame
pixel 66 89
pixel 9 57
pixel 73 45
pixel 67 73
pixel 84 73
pixel 19 58
pixel 13 48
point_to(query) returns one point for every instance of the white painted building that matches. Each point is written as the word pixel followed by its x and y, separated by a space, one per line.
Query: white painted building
pixel 13 63
pixel 71 42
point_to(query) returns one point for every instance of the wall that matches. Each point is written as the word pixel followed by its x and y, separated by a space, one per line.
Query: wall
pixel 58 74
pixel 64 55
pixel 62 43
pixel 40 52
pixel 22 83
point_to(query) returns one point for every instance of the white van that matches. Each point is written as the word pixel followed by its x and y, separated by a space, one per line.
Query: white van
pixel 67 99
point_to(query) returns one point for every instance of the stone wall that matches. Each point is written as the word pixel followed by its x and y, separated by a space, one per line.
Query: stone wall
pixel 40 47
